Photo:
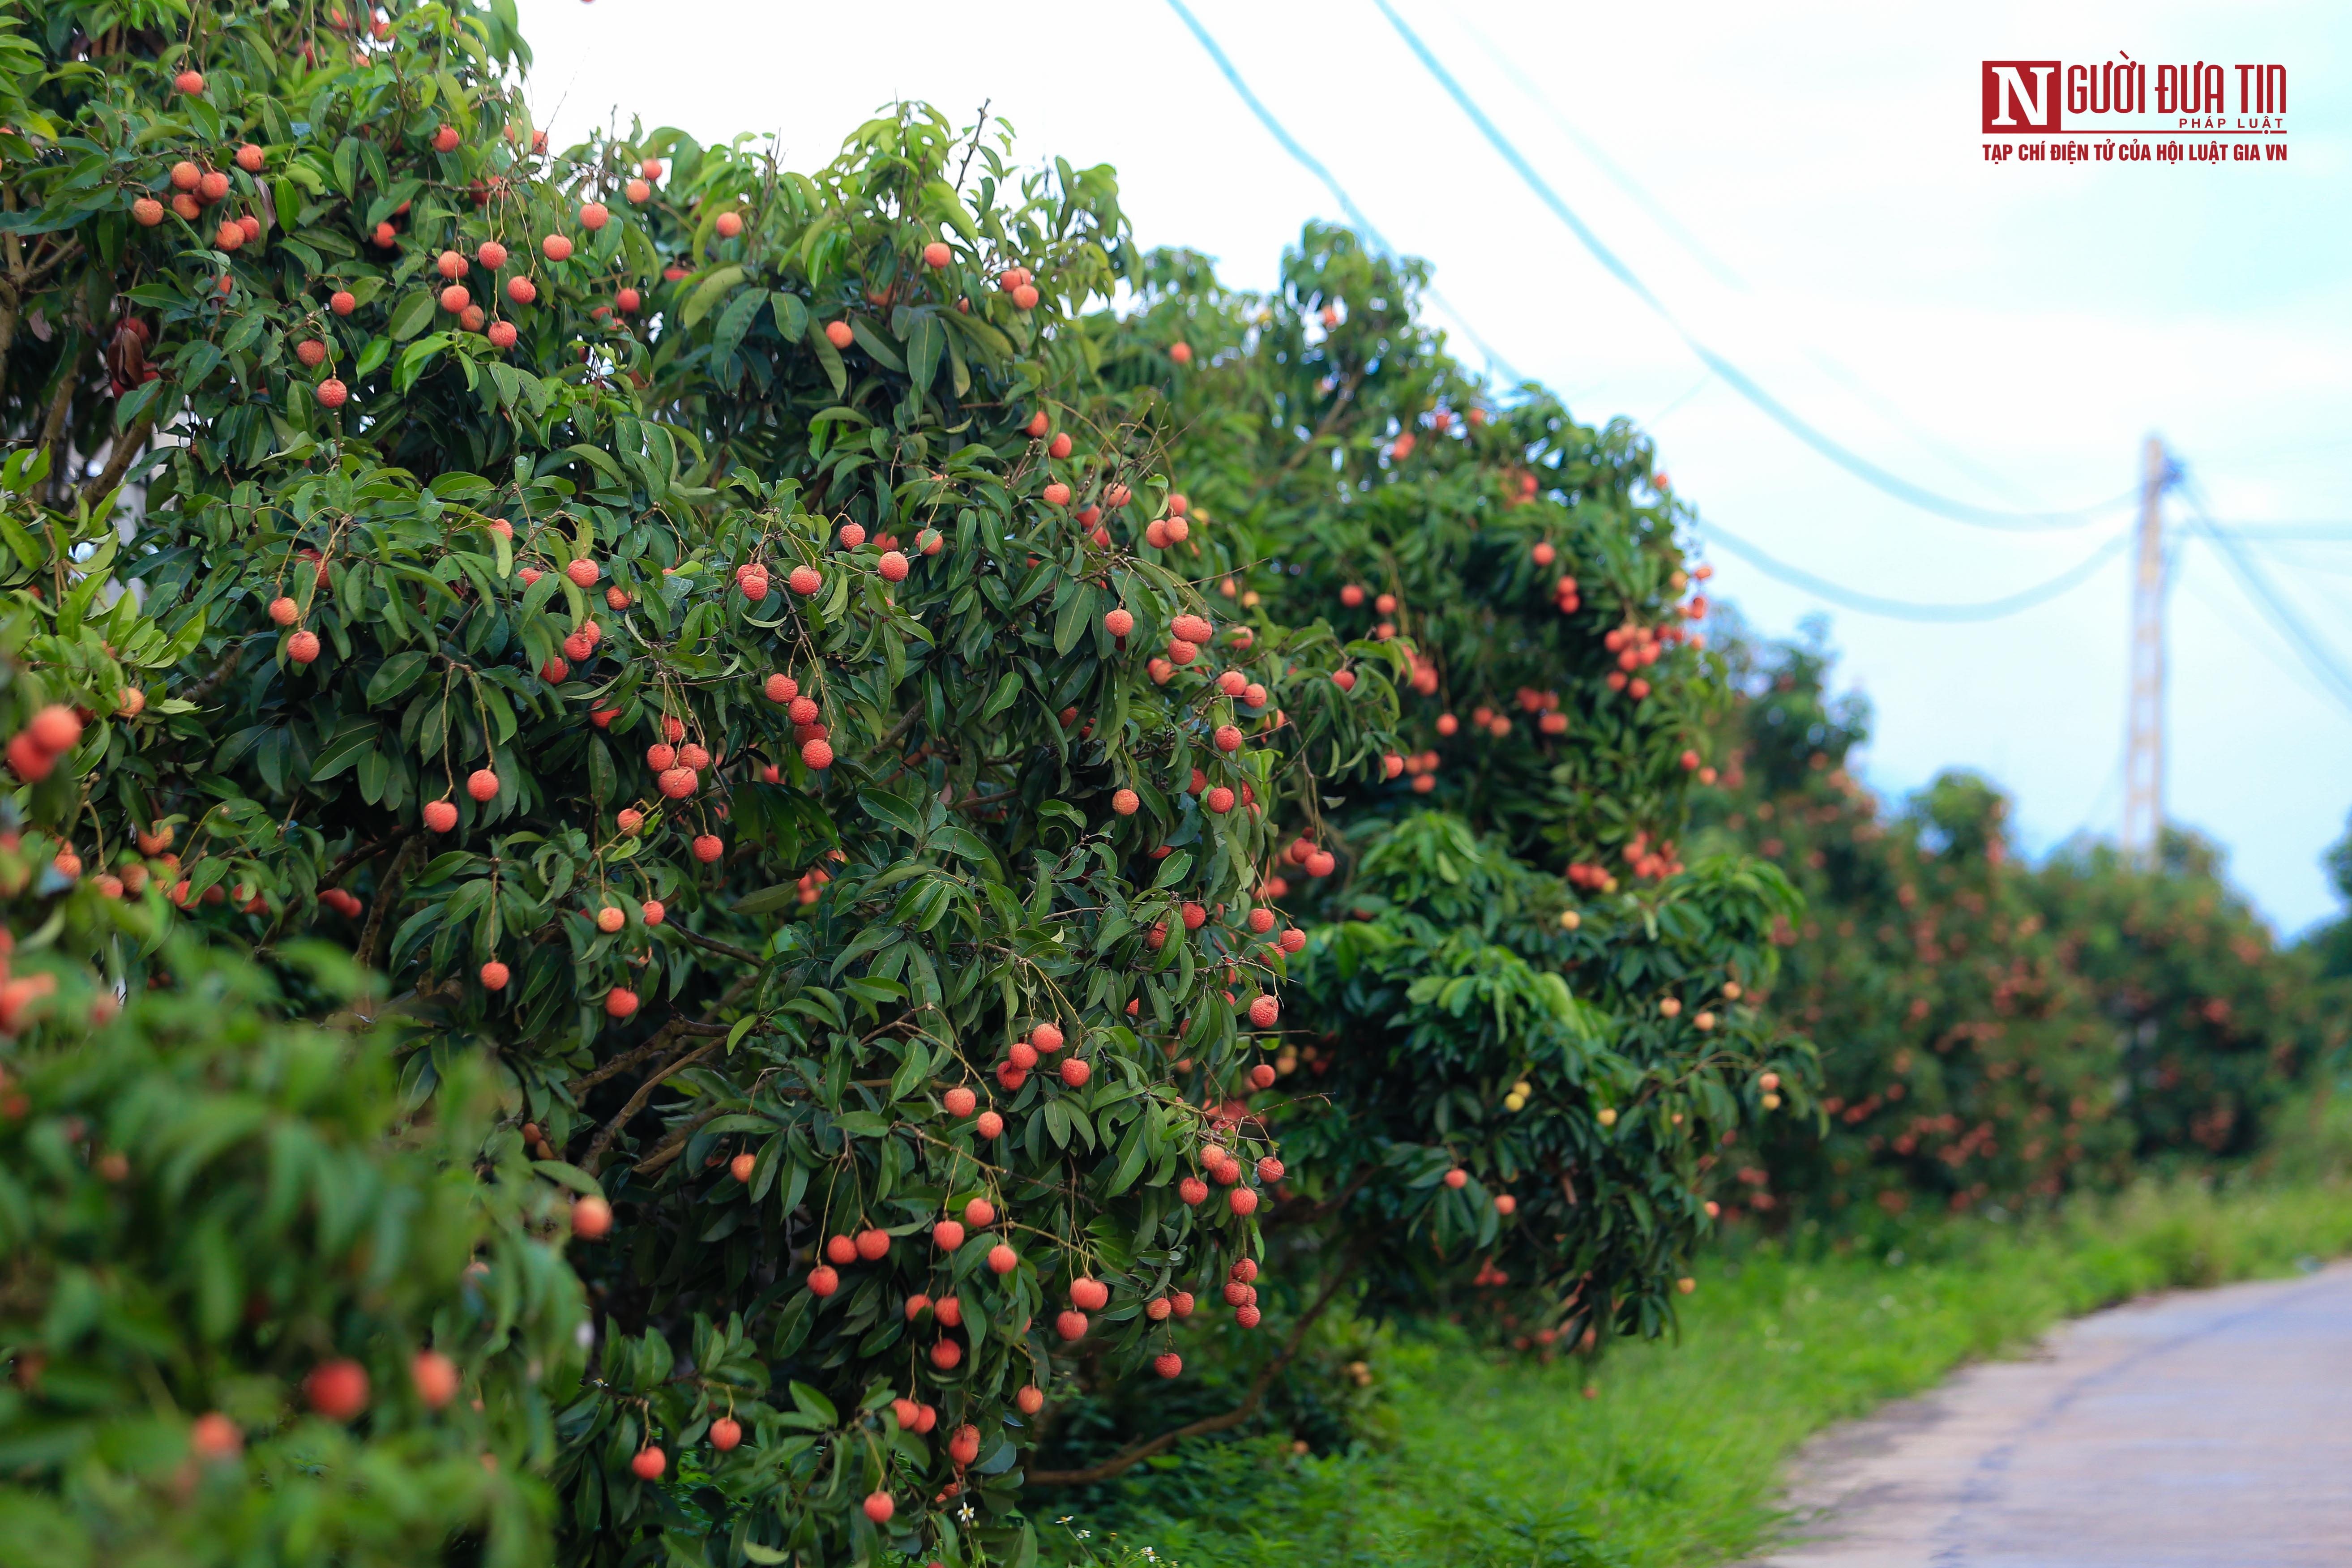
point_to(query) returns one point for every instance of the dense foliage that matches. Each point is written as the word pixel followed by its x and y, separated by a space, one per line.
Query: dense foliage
pixel 449 546
pixel 1991 1032
pixel 2217 1022
pixel 1505 1085
pixel 894 1043
pixel 228 1236
pixel 810 721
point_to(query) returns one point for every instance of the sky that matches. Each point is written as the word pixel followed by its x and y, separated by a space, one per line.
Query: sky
pixel 1803 187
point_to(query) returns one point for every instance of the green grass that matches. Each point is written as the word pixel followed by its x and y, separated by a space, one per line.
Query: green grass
pixel 1678 1457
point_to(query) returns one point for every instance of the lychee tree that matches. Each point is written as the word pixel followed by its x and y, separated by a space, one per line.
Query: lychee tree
pixel 1496 1081
pixel 657 610
pixel 1993 1033
pixel 260 1307
pixel 2217 1021
pixel 1962 1064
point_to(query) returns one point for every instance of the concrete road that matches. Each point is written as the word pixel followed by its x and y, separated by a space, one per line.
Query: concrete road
pixel 2208 1429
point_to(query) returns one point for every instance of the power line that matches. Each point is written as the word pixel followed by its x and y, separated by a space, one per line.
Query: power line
pixel 1624 181
pixel 1654 420
pixel 2259 633
pixel 1908 610
pixel 2287 533
pixel 2275 608
pixel 1674 228
pixel 1314 166
pixel 1738 380
pixel 2331 564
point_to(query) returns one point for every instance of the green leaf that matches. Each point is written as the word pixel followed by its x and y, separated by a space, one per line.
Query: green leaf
pixel 394 676
pixel 766 899
pixel 1002 698
pixel 1130 1159
pixel 603 463
pixel 924 341
pixel 352 739
pixel 571 1176
pixel 871 342
pixel 903 815
pixel 1075 618
pixel 600 779
pixel 410 316
pixel 195 362
pixel 911 1072
pixel 792 316
pixel 815 1405
pixel 733 322
pixel 828 357
pixel 706 293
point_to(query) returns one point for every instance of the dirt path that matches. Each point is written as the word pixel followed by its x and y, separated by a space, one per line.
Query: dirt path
pixel 2208 1429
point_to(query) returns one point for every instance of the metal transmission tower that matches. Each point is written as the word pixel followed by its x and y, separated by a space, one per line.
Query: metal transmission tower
pixel 2143 713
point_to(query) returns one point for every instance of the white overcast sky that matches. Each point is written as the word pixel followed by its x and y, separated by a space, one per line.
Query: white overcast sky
pixel 1804 184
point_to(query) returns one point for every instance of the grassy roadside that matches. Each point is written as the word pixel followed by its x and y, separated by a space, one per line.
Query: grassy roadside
pixel 1678 1456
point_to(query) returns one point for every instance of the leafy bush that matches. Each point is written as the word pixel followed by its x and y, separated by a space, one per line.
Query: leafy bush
pixel 2218 1022
pixel 1503 1089
pixel 1992 1033
pixel 728 651
pixel 781 427
pixel 258 1307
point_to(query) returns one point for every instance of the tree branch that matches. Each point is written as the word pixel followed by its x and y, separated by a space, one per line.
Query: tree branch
pixel 127 445
pixel 12 296
pixel 905 722
pixel 1297 1213
pixel 1323 427
pixel 661 1040
pixel 359 857
pixel 725 948
pixel 979 124
pixel 658 1042
pixel 671 1147
pixel 1128 1457
pixel 220 673
pixel 387 895
pixel 976 801
pixel 53 424
pixel 28 276
pixel 612 1130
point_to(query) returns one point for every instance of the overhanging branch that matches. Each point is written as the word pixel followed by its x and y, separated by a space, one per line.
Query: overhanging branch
pixel 1128 1457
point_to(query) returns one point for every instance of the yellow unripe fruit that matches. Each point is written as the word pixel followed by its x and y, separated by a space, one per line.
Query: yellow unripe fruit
pixel 1569 919
pixel 1607 1116
pixel 1515 1103
pixel 1771 1102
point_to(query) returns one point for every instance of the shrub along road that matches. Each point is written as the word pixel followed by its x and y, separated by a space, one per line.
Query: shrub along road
pixel 1680 1456
pixel 2191 1430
